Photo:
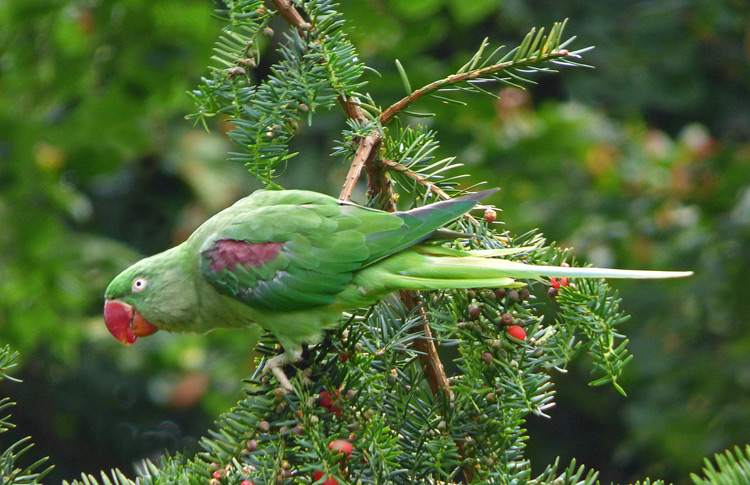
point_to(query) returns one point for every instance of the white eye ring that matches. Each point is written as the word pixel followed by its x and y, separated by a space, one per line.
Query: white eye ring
pixel 139 284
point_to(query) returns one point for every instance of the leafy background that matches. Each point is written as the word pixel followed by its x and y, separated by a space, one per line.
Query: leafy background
pixel 641 162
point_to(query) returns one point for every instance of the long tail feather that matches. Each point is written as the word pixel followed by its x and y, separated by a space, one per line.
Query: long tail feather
pixel 441 269
pixel 478 253
pixel 488 267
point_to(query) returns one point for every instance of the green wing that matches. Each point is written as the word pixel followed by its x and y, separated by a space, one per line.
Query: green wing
pixel 296 250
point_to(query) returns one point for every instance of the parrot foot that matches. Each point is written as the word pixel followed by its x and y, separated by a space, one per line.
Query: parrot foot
pixel 276 366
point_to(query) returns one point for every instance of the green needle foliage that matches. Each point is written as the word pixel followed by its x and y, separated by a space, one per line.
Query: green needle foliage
pixel 368 383
pixel 314 71
pixel 11 469
pixel 731 468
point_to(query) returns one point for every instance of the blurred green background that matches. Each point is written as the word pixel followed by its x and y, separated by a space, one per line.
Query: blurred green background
pixel 642 162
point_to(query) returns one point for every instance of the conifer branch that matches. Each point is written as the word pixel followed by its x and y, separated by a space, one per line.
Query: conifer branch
pixel 366 155
pixel 434 370
pixel 535 50
pixel 11 469
pixel 454 79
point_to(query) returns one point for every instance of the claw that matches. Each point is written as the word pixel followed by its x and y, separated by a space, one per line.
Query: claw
pixel 276 366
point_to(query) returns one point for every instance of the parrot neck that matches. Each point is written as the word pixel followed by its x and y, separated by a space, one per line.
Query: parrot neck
pixel 177 296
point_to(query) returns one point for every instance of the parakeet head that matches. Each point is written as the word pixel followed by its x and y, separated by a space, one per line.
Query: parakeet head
pixel 147 296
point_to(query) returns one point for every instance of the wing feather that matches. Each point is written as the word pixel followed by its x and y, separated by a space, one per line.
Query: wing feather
pixel 316 245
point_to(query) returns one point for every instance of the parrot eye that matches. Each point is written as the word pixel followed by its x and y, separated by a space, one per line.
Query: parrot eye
pixel 139 284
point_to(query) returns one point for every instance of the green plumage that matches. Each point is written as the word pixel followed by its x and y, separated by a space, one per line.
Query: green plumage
pixel 325 244
pixel 293 260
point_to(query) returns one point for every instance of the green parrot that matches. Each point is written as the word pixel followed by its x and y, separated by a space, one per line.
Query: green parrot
pixel 292 261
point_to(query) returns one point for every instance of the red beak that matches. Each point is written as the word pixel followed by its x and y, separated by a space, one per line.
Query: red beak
pixel 125 323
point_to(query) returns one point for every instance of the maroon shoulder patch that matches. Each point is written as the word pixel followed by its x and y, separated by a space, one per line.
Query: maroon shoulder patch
pixel 228 253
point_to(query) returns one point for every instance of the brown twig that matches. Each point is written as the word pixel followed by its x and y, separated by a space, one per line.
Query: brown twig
pixel 366 157
pixel 433 367
pixel 366 153
pixel 291 15
pixel 365 150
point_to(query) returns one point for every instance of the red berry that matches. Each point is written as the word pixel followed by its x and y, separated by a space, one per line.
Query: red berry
pixel 490 215
pixel 247 482
pixel 341 446
pixel 557 284
pixel 328 481
pixel 516 331
pixel 325 399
